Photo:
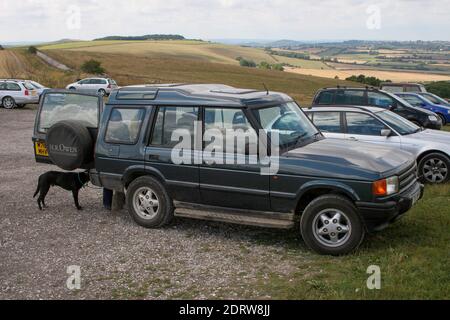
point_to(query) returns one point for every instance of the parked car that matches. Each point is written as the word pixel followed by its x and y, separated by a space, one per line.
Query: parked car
pixel 403 87
pixel 419 101
pixel 102 86
pixel 335 190
pixel 377 98
pixel 17 93
pixel 383 127
pixel 435 99
pixel 37 86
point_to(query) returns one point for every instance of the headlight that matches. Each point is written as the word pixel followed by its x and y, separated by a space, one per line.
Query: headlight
pixel 432 118
pixel 448 111
pixel 385 187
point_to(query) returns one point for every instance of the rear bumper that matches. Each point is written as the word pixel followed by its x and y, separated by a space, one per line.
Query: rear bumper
pixel 378 216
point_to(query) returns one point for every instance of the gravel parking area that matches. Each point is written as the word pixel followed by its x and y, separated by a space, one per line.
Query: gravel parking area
pixel 118 259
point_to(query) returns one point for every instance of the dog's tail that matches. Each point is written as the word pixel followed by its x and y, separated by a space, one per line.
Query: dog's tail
pixel 37 191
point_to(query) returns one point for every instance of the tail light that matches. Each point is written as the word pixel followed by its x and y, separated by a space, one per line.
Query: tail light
pixel 27 93
pixel 109 86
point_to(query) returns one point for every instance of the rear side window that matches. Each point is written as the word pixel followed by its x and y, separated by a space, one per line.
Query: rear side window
pixel 64 106
pixel 325 97
pixel 363 124
pixel 170 119
pixel 328 121
pixel 351 97
pixel 124 126
pixel 12 86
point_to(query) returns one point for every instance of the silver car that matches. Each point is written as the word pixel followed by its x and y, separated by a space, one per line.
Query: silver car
pixel 102 86
pixel 375 125
pixel 17 93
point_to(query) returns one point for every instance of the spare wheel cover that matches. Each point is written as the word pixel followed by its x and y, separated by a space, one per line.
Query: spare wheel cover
pixel 69 144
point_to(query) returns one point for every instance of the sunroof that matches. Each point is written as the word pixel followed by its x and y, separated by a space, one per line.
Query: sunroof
pixel 137 95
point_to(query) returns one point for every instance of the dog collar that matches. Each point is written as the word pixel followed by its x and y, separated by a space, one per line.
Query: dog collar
pixel 81 182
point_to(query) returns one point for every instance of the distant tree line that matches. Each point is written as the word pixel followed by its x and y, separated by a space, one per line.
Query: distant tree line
pixel 289 54
pixel 263 65
pixel 146 37
pixel 1 47
pixel 370 81
pixel 440 88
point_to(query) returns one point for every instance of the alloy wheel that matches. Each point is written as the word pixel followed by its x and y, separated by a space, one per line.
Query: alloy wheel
pixel 332 227
pixel 146 203
pixel 435 170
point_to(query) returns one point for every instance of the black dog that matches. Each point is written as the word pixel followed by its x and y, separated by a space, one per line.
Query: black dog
pixel 68 181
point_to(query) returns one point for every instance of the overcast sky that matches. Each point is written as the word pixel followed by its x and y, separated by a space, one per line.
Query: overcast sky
pixel 45 20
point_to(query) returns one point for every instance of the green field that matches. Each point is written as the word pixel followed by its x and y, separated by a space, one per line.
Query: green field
pixel 169 69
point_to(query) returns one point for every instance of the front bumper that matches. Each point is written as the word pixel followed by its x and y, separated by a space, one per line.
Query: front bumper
pixel 378 216
pixel 436 125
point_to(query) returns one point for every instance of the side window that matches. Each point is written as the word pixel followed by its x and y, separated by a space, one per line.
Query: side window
pixel 328 121
pixel 413 100
pixel 124 125
pixel 86 81
pixel 12 86
pixel 350 97
pixel 380 100
pixel 363 124
pixel 170 119
pixel 325 97
pixel 3 86
pixel 228 120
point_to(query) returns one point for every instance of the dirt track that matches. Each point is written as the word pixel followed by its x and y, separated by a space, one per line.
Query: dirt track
pixel 118 259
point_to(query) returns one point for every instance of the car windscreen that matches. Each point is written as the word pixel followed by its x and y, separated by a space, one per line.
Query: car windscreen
pixel 66 106
pixel 288 121
pixel 435 99
pixel 398 123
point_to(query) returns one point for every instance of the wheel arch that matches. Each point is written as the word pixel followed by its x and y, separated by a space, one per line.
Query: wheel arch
pixel 315 189
pixel 136 172
pixel 428 152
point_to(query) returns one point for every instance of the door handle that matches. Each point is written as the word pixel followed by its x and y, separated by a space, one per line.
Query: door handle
pixel 353 139
pixel 153 157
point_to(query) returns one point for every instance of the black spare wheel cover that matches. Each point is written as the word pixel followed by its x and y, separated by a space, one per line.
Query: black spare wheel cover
pixel 69 144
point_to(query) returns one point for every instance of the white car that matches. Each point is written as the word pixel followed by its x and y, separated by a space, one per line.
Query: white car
pixel 102 86
pixel 17 93
pixel 37 86
pixel 381 126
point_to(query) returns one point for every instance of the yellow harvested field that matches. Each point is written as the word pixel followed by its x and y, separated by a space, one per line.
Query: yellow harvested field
pixel 193 50
pixel 11 65
pixel 384 75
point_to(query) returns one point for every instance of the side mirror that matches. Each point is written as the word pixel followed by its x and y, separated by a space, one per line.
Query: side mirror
pixel 386 133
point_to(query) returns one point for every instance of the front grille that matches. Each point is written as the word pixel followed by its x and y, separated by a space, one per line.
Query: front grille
pixel 408 177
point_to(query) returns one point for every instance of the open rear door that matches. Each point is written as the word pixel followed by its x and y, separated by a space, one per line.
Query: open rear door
pixel 60 105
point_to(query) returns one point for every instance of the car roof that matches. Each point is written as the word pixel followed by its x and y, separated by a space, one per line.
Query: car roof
pixel 196 95
pixel 346 108
pixel 387 84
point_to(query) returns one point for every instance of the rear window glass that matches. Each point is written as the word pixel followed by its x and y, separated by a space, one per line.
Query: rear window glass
pixel 326 97
pixel 65 106
pixel 351 97
pixel 393 89
pixel 111 81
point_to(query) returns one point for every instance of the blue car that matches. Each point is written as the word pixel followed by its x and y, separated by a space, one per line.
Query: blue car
pixel 435 99
pixel 420 101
